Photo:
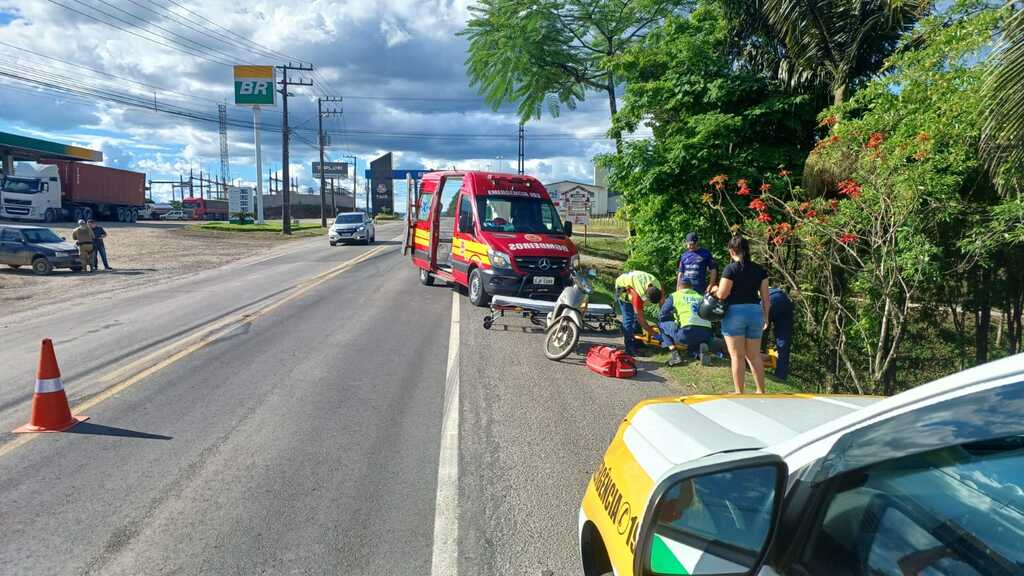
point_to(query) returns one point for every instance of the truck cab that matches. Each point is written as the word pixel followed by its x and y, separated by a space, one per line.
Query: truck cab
pixel 492 233
pixel 33 192
pixel 928 482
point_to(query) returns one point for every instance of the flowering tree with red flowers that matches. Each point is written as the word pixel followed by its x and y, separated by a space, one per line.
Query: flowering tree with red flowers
pixel 859 258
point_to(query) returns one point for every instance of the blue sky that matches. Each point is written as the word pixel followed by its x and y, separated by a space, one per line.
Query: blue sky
pixel 397 63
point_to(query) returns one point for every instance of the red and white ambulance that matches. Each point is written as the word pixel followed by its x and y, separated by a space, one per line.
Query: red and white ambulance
pixel 492 233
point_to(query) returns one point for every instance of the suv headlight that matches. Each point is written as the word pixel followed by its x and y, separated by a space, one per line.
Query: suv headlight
pixel 574 262
pixel 499 259
pixel 361 228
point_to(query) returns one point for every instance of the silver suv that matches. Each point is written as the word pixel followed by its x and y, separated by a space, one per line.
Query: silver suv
pixel 352 226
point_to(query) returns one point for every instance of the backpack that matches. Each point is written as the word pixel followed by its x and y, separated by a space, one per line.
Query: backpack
pixel 611 361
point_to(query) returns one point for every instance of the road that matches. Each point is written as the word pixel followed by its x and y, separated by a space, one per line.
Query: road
pixel 313 410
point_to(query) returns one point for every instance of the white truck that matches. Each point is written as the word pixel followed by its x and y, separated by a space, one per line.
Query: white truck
pixel 58 190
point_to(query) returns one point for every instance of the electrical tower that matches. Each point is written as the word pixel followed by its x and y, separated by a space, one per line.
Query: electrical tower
pixel 225 163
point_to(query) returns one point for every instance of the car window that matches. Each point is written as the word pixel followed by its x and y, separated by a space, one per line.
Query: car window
pixel 466 214
pixel 425 199
pixel 8 235
pixel 40 236
pixel 958 510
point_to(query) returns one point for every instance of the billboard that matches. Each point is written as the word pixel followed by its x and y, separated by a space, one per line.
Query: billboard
pixel 254 85
pixel 381 184
pixel 334 170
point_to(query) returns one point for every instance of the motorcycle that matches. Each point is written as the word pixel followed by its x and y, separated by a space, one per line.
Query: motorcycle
pixel 566 321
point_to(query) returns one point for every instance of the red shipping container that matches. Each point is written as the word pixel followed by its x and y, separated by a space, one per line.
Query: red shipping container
pixel 91 183
pixel 610 361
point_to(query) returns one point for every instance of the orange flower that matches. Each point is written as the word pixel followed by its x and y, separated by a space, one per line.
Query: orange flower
pixel 805 205
pixel 849 188
pixel 811 214
pixel 743 188
pixel 828 121
pixel 758 204
pixel 719 181
pixel 875 140
pixel 833 203
pixel 920 155
pixel 778 240
pixel 783 173
pixel 763 217
pixel 784 228
pixel 765 187
pixel 847 238
pixel 923 137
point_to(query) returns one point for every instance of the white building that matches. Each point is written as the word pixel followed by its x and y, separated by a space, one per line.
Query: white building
pixel 598 195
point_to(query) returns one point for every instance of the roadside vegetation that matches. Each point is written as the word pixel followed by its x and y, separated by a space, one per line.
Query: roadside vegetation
pixel 302 229
pixel 869 150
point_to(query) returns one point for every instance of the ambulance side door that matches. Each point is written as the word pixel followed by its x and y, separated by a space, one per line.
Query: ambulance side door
pixel 465 249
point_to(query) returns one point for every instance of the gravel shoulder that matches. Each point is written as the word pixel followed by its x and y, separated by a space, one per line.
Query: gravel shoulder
pixel 141 255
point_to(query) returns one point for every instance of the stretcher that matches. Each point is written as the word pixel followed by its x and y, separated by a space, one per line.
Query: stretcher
pixel 599 317
pixel 770 358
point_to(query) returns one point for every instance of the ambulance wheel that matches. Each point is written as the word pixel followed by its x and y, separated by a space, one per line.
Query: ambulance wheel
pixel 561 339
pixel 425 278
pixel 477 295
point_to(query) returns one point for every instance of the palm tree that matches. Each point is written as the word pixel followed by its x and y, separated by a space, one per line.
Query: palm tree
pixel 827 43
pixel 1002 142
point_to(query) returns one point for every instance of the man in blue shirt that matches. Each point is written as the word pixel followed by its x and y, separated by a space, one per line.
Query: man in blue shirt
pixel 694 265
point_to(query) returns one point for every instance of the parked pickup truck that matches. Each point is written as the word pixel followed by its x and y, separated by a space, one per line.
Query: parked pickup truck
pixel 37 247
pixel 928 482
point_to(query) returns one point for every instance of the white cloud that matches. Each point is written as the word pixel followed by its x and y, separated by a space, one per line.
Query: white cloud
pixel 389 48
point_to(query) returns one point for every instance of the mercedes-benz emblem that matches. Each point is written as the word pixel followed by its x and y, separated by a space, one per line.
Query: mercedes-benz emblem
pixel 543 264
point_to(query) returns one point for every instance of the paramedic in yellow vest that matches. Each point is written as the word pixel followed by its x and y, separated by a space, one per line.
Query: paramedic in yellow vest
pixel 632 290
pixel 680 325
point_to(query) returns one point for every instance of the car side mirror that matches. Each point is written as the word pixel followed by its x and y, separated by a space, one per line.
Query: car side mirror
pixel 63 238
pixel 715 520
pixel 567 226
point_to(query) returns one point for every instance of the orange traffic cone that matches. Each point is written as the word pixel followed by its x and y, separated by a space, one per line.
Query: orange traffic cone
pixel 50 410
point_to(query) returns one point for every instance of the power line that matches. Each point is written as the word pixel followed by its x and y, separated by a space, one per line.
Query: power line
pixel 260 47
pixel 104 73
pixel 172 47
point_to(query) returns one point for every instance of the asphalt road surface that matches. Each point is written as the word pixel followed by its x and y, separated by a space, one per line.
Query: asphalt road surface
pixel 312 410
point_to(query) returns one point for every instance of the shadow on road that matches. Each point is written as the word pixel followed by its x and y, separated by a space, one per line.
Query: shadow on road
pixel 101 430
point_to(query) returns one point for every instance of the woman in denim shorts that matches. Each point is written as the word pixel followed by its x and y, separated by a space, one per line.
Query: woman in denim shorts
pixel 744 287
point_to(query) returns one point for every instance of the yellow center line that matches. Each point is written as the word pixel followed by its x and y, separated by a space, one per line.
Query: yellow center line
pixel 202 338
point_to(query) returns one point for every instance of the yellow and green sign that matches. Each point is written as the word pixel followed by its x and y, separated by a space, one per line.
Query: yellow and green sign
pixel 254 85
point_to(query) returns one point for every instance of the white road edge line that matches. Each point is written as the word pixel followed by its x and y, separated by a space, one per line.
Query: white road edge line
pixel 445 560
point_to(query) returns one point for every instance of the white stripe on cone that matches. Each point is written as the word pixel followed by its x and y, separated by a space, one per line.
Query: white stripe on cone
pixel 44 385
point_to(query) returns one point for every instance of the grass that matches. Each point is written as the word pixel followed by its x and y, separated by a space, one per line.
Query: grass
pixel 612 248
pixel 607 226
pixel 301 229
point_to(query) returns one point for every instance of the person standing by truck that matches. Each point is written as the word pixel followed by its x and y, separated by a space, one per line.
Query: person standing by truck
pixel 98 246
pixel 84 239
pixel 632 289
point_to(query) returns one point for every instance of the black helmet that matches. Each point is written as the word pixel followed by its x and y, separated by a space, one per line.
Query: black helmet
pixel 711 308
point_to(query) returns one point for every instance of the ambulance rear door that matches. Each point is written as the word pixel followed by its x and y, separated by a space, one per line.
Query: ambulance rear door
pixel 422 220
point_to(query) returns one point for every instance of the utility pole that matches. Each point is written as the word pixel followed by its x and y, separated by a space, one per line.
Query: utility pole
pixel 323 169
pixel 286 213
pixel 522 148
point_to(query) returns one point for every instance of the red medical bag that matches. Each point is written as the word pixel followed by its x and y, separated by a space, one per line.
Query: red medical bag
pixel 611 361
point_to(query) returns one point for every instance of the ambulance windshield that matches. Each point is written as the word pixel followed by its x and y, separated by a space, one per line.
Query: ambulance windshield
pixel 515 214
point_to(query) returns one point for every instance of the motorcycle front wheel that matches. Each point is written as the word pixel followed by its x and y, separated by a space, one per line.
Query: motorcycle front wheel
pixel 561 339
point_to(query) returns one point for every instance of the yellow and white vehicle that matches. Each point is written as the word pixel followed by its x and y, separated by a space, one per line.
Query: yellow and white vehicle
pixel 928 482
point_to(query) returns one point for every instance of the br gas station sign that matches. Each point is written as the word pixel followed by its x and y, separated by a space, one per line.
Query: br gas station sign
pixel 254 85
